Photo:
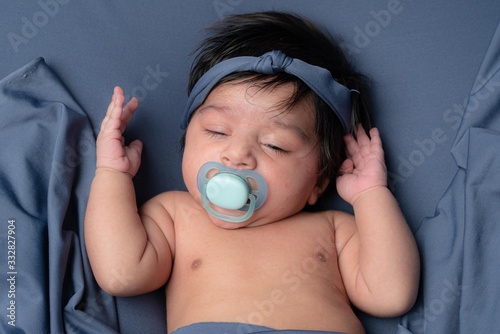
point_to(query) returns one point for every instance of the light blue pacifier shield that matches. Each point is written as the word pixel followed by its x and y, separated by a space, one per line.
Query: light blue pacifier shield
pixel 230 189
pixel 227 191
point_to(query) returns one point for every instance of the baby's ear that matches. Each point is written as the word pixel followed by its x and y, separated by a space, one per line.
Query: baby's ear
pixel 318 190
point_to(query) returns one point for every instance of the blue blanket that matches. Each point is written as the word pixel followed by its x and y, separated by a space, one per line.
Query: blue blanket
pixel 235 327
pixel 46 166
pixel 459 244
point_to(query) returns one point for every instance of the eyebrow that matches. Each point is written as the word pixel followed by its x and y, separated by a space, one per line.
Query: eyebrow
pixel 293 127
pixel 213 106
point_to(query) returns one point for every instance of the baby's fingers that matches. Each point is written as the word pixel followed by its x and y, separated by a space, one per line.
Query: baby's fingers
pixel 352 146
pixel 114 111
pixel 375 136
pixel 376 142
pixel 363 140
pixel 118 116
pixel 128 111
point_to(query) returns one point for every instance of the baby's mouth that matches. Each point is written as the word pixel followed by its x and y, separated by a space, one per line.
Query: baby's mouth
pixel 227 192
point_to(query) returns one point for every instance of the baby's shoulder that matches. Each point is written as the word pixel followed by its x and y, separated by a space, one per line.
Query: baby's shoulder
pixel 335 217
pixel 174 196
pixel 170 201
pixel 325 221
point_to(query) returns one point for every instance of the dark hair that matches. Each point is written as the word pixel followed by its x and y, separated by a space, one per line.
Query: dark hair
pixel 257 33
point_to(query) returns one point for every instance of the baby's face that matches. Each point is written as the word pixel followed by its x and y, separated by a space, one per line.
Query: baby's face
pixel 244 127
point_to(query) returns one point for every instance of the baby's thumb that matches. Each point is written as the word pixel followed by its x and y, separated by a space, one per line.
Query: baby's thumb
pixel 347 167
pixel 136 146
pixel 133 152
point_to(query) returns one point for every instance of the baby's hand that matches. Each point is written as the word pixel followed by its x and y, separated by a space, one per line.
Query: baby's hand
pixel 111 151
pixel 364 168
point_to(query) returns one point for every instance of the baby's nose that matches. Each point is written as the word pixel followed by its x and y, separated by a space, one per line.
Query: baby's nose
pixel 239 156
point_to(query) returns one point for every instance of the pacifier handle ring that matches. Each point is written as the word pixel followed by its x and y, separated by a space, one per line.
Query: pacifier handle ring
pixel 228 218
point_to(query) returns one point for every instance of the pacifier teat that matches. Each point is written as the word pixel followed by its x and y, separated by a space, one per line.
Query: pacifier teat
pixel 230 189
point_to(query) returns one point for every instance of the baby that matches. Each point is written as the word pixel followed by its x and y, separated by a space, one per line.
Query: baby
pixel 268 129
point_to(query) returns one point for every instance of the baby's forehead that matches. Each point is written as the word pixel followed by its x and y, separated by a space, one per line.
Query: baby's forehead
pixel 278 98
pixel 250 102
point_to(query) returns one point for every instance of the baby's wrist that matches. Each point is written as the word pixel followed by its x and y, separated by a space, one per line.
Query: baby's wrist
pixel 368 192
pixel 111 171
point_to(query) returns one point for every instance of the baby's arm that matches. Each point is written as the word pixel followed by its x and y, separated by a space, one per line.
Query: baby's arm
pixel 378 256
pixel 129 253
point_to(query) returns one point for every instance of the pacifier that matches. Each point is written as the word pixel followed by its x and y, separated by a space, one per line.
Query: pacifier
pixel 230 189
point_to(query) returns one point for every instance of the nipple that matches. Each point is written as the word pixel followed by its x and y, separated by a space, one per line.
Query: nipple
pixel 230 189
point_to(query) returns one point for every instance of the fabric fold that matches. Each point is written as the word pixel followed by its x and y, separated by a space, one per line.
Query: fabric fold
pixel 47 161
pixel 460 258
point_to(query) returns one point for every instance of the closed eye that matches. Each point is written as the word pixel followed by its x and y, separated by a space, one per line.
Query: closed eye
pixel 277 149
pixel 215 134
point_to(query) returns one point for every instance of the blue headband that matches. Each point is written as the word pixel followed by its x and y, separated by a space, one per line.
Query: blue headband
pixel 320 80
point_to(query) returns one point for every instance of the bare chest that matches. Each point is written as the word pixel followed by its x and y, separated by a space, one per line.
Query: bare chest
pixel 274 275
pixel 286 255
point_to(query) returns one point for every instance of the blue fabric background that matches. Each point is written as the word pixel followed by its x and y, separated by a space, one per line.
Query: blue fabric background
pixel 434 70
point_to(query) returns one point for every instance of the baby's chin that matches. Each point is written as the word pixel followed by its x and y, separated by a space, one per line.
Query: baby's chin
pixel 257 219
pixel 230 225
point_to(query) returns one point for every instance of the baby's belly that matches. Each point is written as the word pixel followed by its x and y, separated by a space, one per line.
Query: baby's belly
pixel 289 297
